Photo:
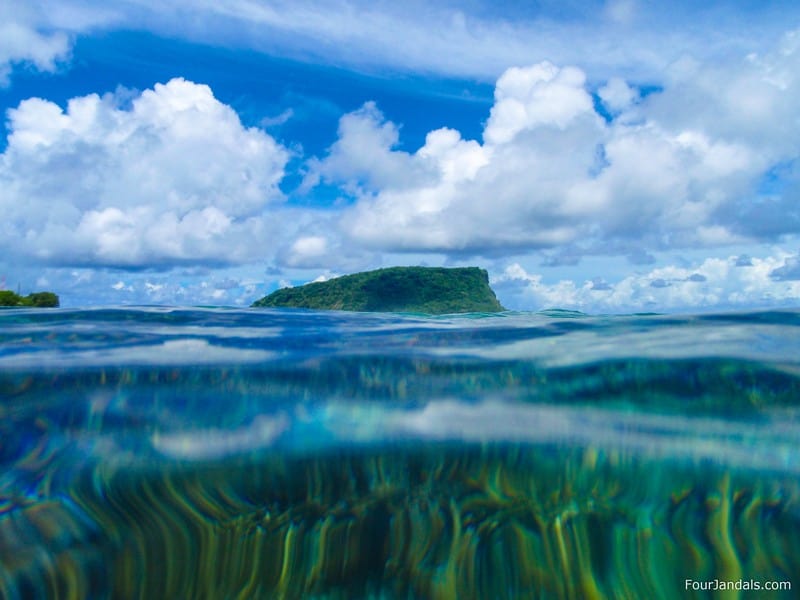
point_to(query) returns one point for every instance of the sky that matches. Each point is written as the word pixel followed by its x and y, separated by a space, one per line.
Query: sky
pixel 605 156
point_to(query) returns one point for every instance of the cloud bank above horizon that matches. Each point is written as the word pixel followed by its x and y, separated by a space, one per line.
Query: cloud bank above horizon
pixel 681 164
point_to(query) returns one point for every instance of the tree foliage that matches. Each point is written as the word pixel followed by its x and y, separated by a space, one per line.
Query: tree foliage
pixel 9 298
pixel 35 300
pixel 430 290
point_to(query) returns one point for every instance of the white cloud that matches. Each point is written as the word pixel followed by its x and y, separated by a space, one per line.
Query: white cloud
pixel 363 156
pixel 39 35
pixel 475 39
pixel 551 173
pixel 324 252
pixel 278 120
pixel 712 283
pixel 22 44
pixel 541 94
pixel 617 95
pixel 325 277
pixel 307 250
pixel 749 99
pixel 175 178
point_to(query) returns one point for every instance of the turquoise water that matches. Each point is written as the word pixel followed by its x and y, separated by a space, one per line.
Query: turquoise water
pixel 217 453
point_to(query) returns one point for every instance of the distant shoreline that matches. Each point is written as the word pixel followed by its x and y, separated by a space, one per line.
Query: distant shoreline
pixel 9 299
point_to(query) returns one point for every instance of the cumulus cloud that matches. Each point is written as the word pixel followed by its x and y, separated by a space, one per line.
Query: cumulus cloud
pixel 677 169
pixel 434 199
pixel 540 95
pixel 571 161
pixel 363 156
pixel 172 178
pixel 715 282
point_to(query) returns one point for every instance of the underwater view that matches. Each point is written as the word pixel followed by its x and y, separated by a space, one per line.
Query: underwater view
pixel 279 453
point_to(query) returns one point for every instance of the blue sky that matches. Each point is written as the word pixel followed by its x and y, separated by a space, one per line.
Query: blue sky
pixel 602 156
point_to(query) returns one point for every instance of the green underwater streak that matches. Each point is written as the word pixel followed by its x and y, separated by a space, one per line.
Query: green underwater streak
pixel 433 521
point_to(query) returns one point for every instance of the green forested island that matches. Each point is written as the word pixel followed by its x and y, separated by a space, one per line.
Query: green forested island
pixel 35 300
pixel 431 290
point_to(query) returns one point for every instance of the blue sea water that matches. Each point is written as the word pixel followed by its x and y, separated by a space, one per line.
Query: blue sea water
pixel 221 453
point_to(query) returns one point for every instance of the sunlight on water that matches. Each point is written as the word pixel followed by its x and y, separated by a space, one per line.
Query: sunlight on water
pixel 290 454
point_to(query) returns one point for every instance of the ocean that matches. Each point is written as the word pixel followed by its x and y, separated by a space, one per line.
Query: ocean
pixel 187 453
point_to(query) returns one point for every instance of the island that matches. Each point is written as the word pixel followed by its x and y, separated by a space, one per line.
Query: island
pixel 430 290
pixel 9 299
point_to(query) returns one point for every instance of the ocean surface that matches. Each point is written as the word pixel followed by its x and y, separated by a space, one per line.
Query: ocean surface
pixel 219 453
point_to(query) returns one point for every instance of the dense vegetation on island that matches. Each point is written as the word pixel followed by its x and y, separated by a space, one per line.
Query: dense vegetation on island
pixel 35 300
pixel 431 290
